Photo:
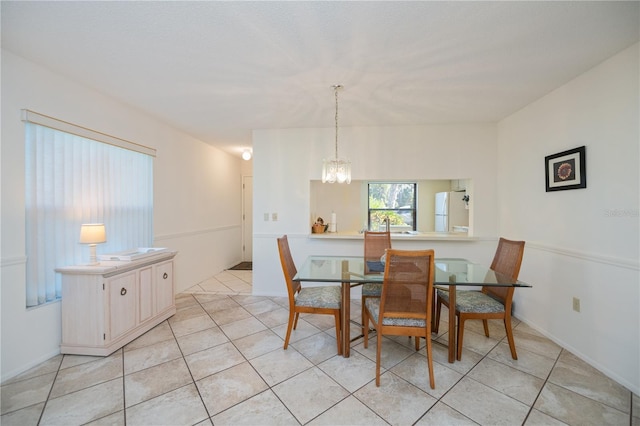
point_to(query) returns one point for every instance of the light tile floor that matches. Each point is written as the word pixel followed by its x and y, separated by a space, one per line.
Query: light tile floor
pixel 220 361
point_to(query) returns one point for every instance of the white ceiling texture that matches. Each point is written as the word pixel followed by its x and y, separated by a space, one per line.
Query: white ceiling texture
pixel 217 70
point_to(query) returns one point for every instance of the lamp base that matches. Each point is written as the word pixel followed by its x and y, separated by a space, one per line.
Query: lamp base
pixel 93 258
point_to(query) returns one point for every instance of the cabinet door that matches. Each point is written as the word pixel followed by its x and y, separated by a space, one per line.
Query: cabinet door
pixel 164 286
pixel 122 304
pixel 84 321
pixel 146 307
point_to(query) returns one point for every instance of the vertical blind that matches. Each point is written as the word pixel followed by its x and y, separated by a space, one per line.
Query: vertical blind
pixel 71 180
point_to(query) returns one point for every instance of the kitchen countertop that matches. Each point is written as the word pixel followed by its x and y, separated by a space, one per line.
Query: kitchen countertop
pixel 419 236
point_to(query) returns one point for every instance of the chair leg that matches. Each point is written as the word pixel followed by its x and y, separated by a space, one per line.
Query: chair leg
pixel 485 323
pixel 434 303
pixel 338 331
pixel 417 343
pixel 365 323
pixel 289 327
pixel 509 330
pixel 432 381
pixel 378 350
pixel 460 336
pixel 436 322
pixel 295 322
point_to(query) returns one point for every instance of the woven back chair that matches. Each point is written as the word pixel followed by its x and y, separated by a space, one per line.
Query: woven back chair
pixel 405 305
pixel 325 300
pixel 492 302
pixel 375 246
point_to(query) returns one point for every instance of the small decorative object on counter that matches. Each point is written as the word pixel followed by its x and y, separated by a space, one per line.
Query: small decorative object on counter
pixel 319 227
pixel 333 225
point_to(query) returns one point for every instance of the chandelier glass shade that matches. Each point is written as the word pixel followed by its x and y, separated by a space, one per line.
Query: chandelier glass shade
pixel 336 170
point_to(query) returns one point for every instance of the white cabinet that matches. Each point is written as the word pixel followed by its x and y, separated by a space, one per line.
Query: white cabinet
pixel 458 184
pixel 106 306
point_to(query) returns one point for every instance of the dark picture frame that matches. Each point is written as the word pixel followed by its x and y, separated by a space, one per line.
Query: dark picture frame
pixel 566 170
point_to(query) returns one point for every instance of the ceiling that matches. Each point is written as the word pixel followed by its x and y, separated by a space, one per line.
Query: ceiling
pixel 218 70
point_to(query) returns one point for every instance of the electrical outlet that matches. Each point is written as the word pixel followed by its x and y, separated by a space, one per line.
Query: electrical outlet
pixel 274 217
pixel 576 304
pixel 266 217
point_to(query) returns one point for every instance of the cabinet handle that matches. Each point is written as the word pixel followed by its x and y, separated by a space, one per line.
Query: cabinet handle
pixel 165 275
pixel 123 291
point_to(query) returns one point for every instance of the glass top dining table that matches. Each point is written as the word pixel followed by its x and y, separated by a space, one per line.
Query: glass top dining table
pixel 350 271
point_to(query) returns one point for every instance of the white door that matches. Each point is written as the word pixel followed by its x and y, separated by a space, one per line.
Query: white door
pixel 247 218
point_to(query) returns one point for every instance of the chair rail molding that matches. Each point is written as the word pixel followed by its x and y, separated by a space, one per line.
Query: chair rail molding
pixel 13 261
pixel 591 257
pixel 198 232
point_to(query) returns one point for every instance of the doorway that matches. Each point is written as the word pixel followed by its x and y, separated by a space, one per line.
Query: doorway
pixel 247 218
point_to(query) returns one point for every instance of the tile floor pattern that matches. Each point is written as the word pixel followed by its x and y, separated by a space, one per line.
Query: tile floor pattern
pixel 220 361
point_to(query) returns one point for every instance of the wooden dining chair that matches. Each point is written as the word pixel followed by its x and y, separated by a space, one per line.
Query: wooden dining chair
pixel 491 302
pixel 375 246
pixel 405 305
pixel 325 300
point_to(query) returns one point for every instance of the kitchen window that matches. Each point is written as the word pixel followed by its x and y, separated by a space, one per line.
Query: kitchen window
pixel 393 200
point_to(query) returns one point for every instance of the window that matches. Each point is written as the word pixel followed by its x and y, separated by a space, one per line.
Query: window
pixel 71 180
pixel 397 201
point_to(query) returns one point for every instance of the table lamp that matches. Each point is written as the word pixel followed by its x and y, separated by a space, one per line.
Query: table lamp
pixel 92 234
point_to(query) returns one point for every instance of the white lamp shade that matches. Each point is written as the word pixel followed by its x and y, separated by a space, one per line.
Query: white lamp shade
pixel 246 155
pixel 93 233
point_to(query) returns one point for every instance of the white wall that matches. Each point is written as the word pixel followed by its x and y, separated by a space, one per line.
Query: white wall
pixel 286 160
pixel 580 243
pixel 197 198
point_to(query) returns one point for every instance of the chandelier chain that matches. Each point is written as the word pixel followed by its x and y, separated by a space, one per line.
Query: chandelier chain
pixel 336 170
pixel 336 88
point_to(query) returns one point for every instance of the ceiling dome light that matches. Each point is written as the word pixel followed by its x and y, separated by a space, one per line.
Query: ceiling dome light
pixel 336 170
pixel 246 155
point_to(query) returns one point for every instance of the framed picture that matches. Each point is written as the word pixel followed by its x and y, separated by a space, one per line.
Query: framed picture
pixel 566 170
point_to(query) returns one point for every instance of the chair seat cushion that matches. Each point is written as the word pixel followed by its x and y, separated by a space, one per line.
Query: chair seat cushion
pixel 473 301
pixel 329 297
pixel 372 289
pixel 373 306
pixel 375 266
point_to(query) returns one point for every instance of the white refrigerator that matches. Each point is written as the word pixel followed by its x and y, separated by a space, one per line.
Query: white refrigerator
pixel 450 211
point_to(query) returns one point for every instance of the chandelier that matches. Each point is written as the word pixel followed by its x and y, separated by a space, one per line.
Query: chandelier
pixel 336 170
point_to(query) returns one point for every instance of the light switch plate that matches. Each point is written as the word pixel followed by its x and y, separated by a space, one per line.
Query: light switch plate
pixel 274 217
